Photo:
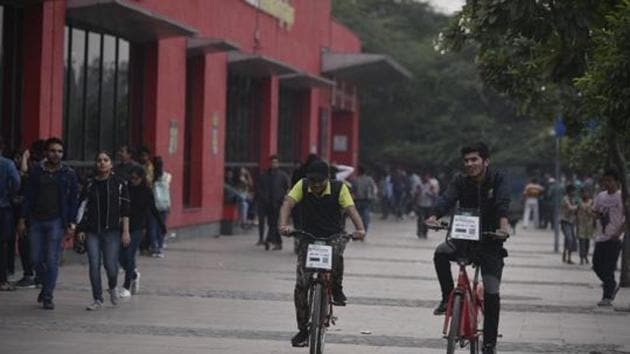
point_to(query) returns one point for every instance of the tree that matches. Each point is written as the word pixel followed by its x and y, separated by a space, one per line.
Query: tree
pixel 423 122
pixel 557 57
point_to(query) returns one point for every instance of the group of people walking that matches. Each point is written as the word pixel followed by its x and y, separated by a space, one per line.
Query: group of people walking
pixel 111 215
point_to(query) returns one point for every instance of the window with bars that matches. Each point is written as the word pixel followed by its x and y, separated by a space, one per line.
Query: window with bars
pixel 244 104
pixel 11 74
pixel 289 125
pixel 96 93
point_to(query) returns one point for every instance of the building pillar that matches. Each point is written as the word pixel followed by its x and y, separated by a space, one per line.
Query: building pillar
pixel 43 31
pixel 310 123
pixel 269 121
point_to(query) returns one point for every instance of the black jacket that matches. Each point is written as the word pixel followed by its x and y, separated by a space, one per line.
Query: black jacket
pixel 271 188
pixel 491 198
pixel 142 203
pixel 117 206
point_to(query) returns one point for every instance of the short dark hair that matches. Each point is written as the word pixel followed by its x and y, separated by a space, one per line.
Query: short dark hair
pixel 570 188
pixel 143 150
pixel 53 140
pixel 612 172
pixel 138 170
pixel 102 152
pixel 479 147
pixel 128 149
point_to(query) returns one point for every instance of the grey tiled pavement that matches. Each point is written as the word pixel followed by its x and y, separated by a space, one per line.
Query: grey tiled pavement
pixel 225 295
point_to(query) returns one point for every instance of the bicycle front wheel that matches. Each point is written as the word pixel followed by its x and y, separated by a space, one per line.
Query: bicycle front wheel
pixel 316 340
pixel 453 332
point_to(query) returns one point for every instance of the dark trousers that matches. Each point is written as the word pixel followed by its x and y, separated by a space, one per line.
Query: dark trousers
pixel 363 208
pixel 604 261
pixel 270 214
pixel 491 263
pixel 585 244
pixel 7 231
pixel 304 276
pixel 423 214
pixel 127 257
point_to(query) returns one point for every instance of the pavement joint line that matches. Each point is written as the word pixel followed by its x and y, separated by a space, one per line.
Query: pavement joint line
pixel 386 276
pixel 283 336
pixel 354 300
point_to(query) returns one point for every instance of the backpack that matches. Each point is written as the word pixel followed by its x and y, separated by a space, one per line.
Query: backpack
pixel 162 193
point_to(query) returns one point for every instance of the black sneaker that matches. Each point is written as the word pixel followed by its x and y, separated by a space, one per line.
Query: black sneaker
pixel 300 339
pixel 489 349
pixel 40 297
pixel 48 305
pixel 26 282
pixel 441 309
pixel 339 298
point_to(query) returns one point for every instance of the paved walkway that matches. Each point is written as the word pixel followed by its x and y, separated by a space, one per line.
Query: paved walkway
pixel 224 295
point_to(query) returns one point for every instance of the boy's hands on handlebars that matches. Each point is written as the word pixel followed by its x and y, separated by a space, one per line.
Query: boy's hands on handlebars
pixel 285 230
pixel 359 235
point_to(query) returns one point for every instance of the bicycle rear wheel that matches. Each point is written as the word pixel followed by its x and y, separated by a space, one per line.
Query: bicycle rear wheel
pixel 316 336
pixel 453 332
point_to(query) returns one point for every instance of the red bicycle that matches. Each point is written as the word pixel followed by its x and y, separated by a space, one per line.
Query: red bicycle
pixel 464 309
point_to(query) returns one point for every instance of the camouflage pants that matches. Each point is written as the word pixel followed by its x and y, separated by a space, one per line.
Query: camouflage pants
pixel 303 280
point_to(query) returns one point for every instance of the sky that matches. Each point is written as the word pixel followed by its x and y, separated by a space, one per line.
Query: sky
pixel 446 6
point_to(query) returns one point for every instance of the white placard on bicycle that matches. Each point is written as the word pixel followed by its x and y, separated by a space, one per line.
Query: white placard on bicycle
pixel 465 227
pixel 319 257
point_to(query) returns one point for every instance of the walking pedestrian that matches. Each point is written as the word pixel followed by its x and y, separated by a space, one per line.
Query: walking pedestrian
pixel 141 204
pixel 9 186
pixel 271 188
pixel 104 225
pixel 50 206
pixel 126 162
pixel 365 191
pixel 162 195
pixel 30 157
pixel 568 209
pixel 532 192
pixel 425 196
pixel 585 224
pixel 610 226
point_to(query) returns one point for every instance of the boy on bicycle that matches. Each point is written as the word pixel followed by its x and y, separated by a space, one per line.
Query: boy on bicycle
pixel 486 191
pixel 323 203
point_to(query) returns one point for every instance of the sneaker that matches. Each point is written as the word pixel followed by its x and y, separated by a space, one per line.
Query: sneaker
pixel 300 339
pixel 124 293
pixel 160 254
pixel 48 305
pixel 95 306
pixel 605 303
pixel 441 309
pixel 7 287
pixel 26 282
pixel 489 349
pixel 113 296
pixel 40 297
pixel 339 298
pixel 135 284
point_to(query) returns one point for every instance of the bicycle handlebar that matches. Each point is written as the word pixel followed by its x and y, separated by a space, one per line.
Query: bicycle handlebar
pixel 308 235
pixel 494 235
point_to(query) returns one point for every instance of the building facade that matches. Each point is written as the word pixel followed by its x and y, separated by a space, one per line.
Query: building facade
pixel 203 83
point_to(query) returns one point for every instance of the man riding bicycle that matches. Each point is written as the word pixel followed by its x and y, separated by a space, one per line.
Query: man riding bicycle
pixel 323 203
pixel 487 192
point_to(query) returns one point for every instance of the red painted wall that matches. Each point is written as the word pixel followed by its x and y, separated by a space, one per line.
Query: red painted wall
pixel 164 85
pixel 43 70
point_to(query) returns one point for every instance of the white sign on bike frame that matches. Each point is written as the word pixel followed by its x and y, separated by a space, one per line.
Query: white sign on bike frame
pixel 465 227
pixel 319 257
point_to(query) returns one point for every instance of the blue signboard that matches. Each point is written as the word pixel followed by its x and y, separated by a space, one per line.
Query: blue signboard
pixel 559 128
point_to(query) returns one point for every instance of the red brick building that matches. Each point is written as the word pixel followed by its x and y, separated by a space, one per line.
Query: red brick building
pixel 203 83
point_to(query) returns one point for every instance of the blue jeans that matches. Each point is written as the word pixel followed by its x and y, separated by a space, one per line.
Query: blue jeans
pixel 106 245
pixel 46 237
pixel 155 234
pixel 128 257
pixel 363 207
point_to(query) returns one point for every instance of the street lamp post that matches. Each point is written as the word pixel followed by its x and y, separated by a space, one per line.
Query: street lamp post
pixel 559 130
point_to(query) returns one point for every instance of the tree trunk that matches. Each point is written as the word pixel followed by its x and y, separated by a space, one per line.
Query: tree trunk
pixel 619 161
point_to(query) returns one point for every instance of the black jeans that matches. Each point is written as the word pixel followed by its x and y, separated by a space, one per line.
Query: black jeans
pixel 604 261
pixel 7 231
pixel 272 213
pixel 423 213
pixel 585 244
pixel 491 263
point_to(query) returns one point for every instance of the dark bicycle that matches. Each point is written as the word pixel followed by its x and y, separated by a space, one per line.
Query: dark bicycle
pixel 465 303
pixel 319 260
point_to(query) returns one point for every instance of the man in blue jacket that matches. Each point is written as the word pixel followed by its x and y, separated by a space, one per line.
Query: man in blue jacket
pixel 50 205
pixel 9 186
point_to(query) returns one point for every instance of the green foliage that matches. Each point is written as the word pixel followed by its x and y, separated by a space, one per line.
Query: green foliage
pixel 425 121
